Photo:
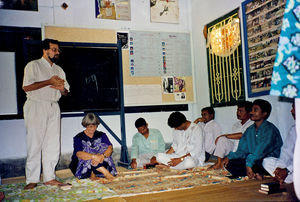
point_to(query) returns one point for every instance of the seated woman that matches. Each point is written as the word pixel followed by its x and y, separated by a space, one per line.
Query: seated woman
pixel 92 152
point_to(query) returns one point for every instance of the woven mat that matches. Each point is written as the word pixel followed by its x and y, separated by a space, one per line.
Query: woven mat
pixel 140 181
pixel 128 183
pixel 82 190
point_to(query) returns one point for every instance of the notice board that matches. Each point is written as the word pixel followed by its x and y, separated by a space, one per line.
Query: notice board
pixel 166 57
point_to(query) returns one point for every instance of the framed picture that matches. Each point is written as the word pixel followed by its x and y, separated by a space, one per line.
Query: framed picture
pixel 29 5
pixel 262 21
pixel 225 60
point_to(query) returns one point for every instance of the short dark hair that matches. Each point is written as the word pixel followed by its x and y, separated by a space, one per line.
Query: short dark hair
pixel 140 122
pixel 210 110
pixel 46 43
pixel 264 105
pixel 176 119
pixel 247 104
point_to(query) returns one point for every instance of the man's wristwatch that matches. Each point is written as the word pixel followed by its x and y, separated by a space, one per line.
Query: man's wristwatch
pixel 182 158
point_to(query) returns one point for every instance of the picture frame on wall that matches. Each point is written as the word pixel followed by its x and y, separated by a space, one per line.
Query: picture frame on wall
pixel 262 21
pixel 27 5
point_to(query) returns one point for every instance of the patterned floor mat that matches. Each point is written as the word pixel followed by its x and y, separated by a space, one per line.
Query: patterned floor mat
pixel 133 182
pixel 81 190
pixel 127 183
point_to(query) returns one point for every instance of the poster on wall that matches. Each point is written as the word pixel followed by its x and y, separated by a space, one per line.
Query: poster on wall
pixel 263 20
pixel 123 38
pixel 166 11
pixel 29 5
pixel 113 9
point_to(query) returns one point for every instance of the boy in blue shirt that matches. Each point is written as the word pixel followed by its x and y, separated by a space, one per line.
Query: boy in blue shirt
pixel 260 140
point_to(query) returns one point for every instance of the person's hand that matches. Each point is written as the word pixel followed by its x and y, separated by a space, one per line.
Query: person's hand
pixel 59 87
pixel 250 172
pixel 133 164
pixel 94 163
pixel 280 174
pixel 225 161
pixel 174 162
pixel 199 120
pixel 56 81
pixel 153 160
pixel 98 158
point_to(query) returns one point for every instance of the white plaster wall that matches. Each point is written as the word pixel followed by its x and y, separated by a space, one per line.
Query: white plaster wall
pixel 204 12
pixel 81 13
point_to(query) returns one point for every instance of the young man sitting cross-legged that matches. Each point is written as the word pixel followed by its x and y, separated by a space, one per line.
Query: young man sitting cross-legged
pixel 262 139
pixel 229 142
pixel 187 150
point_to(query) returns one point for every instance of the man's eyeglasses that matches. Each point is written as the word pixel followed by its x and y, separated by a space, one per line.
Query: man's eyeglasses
pixel 56 50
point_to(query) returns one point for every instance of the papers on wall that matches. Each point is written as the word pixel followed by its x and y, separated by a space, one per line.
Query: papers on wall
pixel 164 11
pixel 135 95
pixel 159 54
pixel 113 9
pixel 8 89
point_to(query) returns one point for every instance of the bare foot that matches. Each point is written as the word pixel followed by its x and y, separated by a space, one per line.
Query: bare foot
pixel 162 167
pixel 94 177
pixel 215 167
pixel 29 186
pixel 106 174
pixel 53 183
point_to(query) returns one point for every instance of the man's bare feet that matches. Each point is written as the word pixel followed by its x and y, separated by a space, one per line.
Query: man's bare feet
pixel 30 186
pixel 162 166
pixel 216 166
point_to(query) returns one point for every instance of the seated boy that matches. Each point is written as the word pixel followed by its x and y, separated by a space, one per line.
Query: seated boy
pixel 145 144
pixel 261 140
pixel 187 150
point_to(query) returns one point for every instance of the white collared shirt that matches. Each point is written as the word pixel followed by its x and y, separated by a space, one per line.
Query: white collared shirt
pixel 41 70
pixel 212 130
pixel 190 141
pixel 238 127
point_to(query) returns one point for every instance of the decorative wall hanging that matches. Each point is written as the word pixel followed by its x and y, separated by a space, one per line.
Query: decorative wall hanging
pixel 164 11
pixel 225 65
pixel 262 21
pixel 286 72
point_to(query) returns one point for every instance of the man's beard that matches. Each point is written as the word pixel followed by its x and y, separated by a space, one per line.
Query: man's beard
pixel 55 59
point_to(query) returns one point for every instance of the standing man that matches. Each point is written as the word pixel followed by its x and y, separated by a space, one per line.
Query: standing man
pixel 211 128
pixel 145 144
pixel 187 150
pixel 262 139
pixel 229 142
pixel 44 83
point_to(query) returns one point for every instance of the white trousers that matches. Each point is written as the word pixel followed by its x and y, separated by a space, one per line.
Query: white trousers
pixel 188 161
pixel 42 121
pixel 269 165
pixel 223 147
pixel 143 159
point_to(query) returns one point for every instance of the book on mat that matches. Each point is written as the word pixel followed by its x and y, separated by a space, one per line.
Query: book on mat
pixel 270 185
pixel 271 192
